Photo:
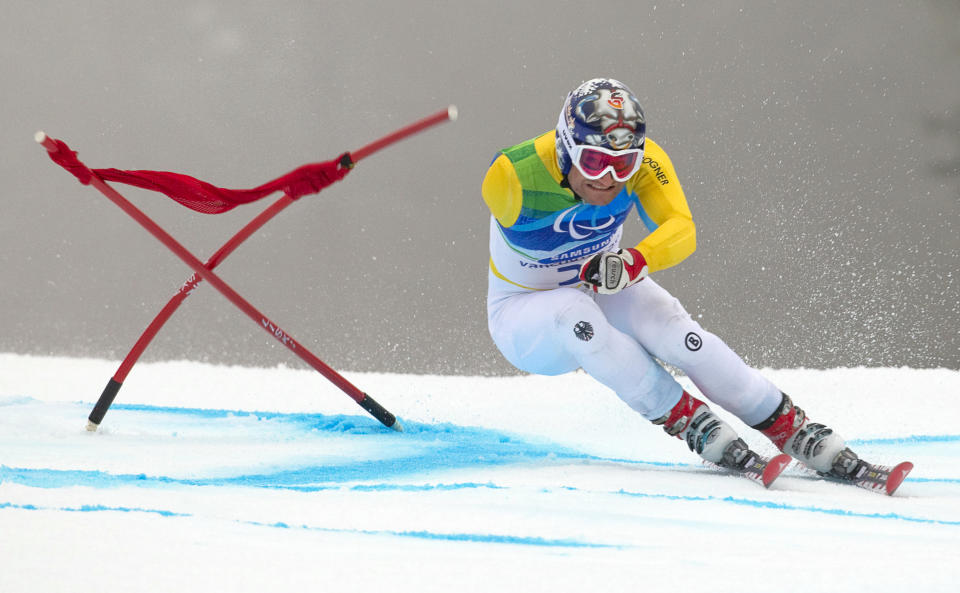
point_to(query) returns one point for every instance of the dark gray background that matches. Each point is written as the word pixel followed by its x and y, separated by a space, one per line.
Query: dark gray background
pixel 818 143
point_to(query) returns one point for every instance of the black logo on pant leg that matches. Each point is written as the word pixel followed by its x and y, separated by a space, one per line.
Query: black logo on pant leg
pixel 693 342
pixel 583 330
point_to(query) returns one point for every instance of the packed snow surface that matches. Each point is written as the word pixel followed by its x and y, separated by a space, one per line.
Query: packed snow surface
pixel 212 478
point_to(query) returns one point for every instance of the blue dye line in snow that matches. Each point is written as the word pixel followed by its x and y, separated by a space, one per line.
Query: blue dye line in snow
pixel 435 456
pixel 487 538
pixel 934 480
pixel 910 440
pixel 337 423
pixel 765 504
pixel 439 456
pixel 422 487
pixel 91 508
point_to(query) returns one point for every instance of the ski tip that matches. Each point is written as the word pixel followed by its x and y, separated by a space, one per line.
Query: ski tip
pixel 774 468
pixel 897 475
pixel 40 137
pixel 453 113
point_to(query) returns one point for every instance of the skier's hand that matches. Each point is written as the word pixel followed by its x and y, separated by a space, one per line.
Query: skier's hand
pixel 608 272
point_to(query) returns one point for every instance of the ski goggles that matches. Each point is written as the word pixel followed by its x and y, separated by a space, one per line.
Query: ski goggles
pixel 594 161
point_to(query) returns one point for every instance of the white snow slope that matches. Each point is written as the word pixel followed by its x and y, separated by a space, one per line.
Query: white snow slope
pixel 206 478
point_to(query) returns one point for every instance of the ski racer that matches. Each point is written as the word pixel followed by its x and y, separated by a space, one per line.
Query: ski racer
pixel 565 294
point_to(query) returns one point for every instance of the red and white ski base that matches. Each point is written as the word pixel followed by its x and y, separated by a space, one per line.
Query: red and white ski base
pixel 765 471
pixel 880 478
pixel 759 469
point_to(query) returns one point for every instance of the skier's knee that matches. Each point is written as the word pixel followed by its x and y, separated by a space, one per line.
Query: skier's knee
pixel 688 342
pixel 580 322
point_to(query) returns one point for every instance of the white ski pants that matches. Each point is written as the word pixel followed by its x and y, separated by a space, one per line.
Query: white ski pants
pixel 614 338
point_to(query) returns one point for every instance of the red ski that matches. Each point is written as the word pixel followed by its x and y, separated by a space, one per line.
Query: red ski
pixel 765 471
pixel 757 468
pixel 877 478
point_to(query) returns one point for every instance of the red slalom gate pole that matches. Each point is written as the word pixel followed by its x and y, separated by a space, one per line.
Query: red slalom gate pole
pixel 110 392
pixel 113 386
pixel 364 400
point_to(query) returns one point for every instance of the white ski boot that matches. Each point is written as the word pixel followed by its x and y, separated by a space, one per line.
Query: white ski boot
pixel 704 432
pixel 813 444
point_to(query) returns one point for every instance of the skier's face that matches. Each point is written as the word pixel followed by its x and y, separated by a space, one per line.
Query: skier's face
pixel 596 192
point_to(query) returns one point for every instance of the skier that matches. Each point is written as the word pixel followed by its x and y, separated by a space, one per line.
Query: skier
pixel 563 294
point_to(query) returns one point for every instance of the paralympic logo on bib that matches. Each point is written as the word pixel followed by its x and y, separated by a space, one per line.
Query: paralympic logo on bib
pixel 580 231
